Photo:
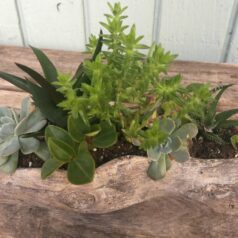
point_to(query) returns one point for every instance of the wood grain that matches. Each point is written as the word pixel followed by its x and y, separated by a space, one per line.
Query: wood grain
pixel 198 198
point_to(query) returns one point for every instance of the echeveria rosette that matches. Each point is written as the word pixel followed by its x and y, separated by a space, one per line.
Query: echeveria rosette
pixel 174 147
pixel 15 130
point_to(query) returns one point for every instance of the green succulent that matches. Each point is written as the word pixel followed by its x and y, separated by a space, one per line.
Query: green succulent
pixel 210 122
pixel 175 147
pixel 71 147
pixel 44 92
pixel 16 130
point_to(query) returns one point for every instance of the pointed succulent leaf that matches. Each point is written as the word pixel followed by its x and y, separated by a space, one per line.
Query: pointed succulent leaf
pixel 81 169
pixel 167 125
pixel 58 133
pixel 77 128
pixel 222 116
pixel 47 106
pixel 56 96
pixel 157 169
pixel 60 150
pixel 34 122
pixel 18 82
pixel 50 166
pixel 9 146
pixel 43 151
pixel 180 155
pixel 213 107
pixel 48 68
pixel 186 131
pixel 228 124
pixel 11 164
pixel 28 145
pixel 107 135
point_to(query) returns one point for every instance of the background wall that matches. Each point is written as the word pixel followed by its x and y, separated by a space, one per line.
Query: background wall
pixel 201 30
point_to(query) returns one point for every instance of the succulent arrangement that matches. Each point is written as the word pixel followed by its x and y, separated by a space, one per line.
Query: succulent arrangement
pixel 17 131
pixel 122 90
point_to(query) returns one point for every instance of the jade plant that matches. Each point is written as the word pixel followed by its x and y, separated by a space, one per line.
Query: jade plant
pixel 16 134
pixel 122 90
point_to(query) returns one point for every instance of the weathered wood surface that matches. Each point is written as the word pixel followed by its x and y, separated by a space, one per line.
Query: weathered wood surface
pixel 198 198
pixel 195 199
pixel 68 62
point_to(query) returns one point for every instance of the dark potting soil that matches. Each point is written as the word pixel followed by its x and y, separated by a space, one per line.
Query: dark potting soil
pixel 101 156
pixel 205 149
pixel 200 148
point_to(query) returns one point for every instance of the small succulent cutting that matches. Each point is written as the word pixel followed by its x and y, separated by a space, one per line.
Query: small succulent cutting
pixel 175 146
pixel 16 130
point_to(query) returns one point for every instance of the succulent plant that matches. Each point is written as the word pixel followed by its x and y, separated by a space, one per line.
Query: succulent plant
pixel 175 147
pixel 16 129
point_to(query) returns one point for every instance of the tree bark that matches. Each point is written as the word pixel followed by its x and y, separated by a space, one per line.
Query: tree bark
pixel 198 198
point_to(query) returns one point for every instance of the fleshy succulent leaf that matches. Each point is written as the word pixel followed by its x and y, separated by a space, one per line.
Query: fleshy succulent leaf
pixel 34 122
pixel 43 151
pixel 48 68
pixel 29 145
pixel 60 150
pixel 11 164
pixel 106 137
pixel 9 146
pixel 81 169
pixel 58 133
pixel 180 155
pixel 157 169
pixel 49 167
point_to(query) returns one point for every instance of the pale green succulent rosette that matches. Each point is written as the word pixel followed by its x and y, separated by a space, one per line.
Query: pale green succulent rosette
pixel 15 135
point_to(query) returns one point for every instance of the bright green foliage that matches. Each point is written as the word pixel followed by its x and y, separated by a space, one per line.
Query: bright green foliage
pixel 122 90
pixel 209 122
pixel 16 133
pixel 174 147
pixel 71 147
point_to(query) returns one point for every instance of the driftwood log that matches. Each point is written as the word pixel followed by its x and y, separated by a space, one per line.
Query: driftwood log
pixel 198 198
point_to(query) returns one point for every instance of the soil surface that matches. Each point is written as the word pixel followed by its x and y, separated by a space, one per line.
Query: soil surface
pixel 205 149
pixel 101 156
pixel 200 148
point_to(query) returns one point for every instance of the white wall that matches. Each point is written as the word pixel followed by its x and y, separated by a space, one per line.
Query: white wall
pixel 203 30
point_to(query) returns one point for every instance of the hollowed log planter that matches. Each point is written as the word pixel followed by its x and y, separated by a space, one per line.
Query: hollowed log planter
pixel 198 198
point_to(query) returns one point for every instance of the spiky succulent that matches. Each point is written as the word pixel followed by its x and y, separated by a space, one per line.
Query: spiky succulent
pixel 175 147
pixel 16 129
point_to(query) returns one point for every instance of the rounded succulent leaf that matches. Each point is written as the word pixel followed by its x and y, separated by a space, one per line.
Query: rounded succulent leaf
pixel 180 155
pixel 107 135
pixel 11 164
pixel 81 169
pixel 60 150
pixel 9 146
pixel 186 131
pixel 43 151
pixel 30 124
pixel 157 169
pixel 167 125
pixel 49 167
pixel 28 145
pixel 58 133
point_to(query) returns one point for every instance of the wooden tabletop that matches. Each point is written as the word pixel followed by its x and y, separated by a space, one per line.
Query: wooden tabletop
pixel 67 62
